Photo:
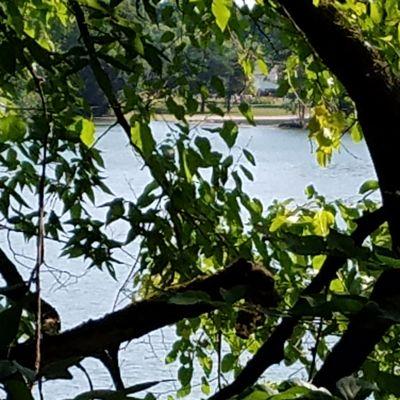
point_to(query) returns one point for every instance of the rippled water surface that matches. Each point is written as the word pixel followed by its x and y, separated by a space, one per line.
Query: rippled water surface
pixel 285 166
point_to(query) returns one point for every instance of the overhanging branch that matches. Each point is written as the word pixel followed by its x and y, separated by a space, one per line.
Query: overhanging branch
pixel 140 318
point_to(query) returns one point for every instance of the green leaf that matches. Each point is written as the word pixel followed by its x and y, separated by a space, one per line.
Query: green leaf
pixel 142 138
pixel 9 321
pixel 398 32
pixel 369 186
pixel 247 66
pixel 185 375
pixel 337 286
pixel 88 132
pixel 305 391
pixel 167 36
pixel 7 368
pixel 215 109
pixel 262 67
pixel 12 128
pixel 116 210
pixel 229 133
pixel 279 221
pixel 318 261
pixel 152 56
pixel 310 191
pixel 138 45
pixel 218 85
pixel 249 156
pixel 183 158
pixel 356 133
pixel 228 362
pixel 257 395
pixel 95 4
pixel 389 261
pixel 388 383
pixel 205 386
pixel 205 362
pixel 222 13
pixel 146 198
pixel 248 174
pixel 375 11
pixel 151 11
pixel 305 245
pixel 246 111
pixel 322 222
pixel 16 388
pixel 204 145
pixel 176 109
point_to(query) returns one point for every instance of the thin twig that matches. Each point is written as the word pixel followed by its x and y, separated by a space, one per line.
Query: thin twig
pixel 315 349
pixel 219 350
pixel 38 81
pixel 83 369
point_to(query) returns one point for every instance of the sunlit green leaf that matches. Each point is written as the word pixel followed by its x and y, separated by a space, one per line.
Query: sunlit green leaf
pixel 88 132
pixel 142 138
pixel 369 186
pixel 222 13
pixel 12 128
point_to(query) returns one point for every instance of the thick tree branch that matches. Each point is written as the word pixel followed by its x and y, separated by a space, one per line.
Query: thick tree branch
pixel 272 351
pixel 370 83
pixel 140 318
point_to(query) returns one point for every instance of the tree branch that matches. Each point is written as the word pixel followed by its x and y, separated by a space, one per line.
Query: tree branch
pixel 272 350
pixel 142 317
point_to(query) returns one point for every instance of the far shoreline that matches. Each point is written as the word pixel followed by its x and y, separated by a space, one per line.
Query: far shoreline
pixel 215 119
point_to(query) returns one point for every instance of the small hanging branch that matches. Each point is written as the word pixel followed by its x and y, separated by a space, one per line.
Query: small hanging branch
pixel 40 247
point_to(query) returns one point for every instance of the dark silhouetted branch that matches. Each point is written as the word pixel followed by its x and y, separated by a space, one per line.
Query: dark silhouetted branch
pixel 142 317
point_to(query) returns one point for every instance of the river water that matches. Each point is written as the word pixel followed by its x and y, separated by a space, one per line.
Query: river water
pixel 285 166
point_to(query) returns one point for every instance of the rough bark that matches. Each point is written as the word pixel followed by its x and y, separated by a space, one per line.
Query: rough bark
pixel 272 350
pixel 142 317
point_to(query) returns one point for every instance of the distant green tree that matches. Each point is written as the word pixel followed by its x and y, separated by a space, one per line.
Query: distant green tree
pixel 215 71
